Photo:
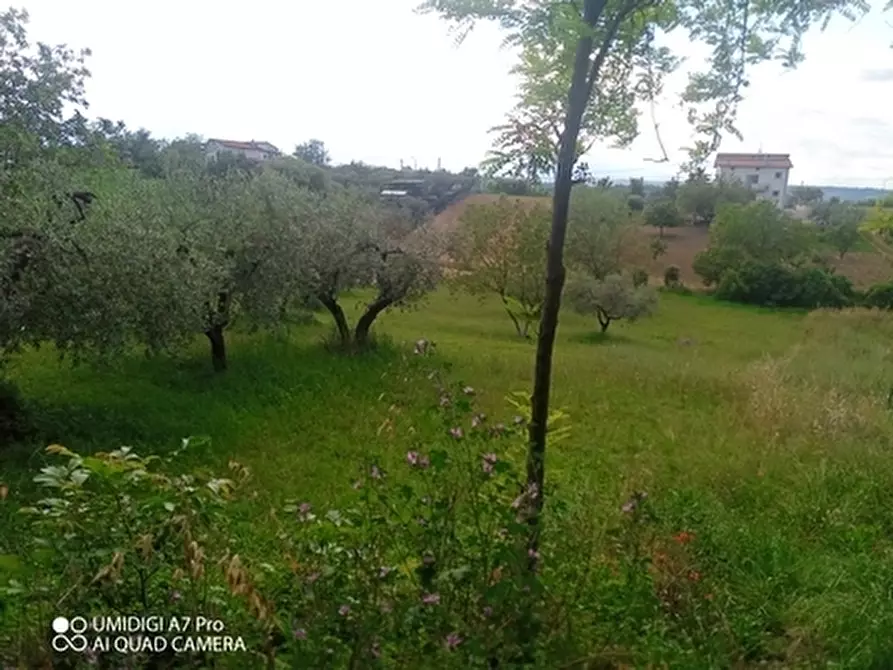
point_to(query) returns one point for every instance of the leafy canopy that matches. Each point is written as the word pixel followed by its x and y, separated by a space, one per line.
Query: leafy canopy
pixel 628 62
pixel 499 248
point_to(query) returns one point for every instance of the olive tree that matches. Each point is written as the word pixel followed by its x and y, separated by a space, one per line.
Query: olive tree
pixel 603 240
pixel 350 241
pixel 610 299
pixel 499 249
pixel 663 213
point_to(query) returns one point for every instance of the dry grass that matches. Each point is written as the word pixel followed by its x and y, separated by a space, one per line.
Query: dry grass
pixel 781 405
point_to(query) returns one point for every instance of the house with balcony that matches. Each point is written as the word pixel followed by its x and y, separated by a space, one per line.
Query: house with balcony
pixel 765 174
pixel 254 151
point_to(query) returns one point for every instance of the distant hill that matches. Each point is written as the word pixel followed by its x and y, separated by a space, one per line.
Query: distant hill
pixel 853 192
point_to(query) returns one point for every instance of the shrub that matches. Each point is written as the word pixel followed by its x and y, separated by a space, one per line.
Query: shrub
pixel 879 296
pixel 636 203
pixel 121 534
pixel 658 247
pixel 640 277
pixel 672 276
pixel 777 285
pixel 14 420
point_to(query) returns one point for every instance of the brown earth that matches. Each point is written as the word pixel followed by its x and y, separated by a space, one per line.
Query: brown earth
pixel 683 244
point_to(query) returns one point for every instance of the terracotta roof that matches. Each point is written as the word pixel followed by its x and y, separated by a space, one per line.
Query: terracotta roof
pixel 245 146
pixel 777 161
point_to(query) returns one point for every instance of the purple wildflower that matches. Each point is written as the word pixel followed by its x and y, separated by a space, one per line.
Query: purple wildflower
pixel 375 650
pixel 498 429
pixel 412 457
pixel 452 641
pixel 488 611
pixel 534 554
pixel 375 473
pixel 344 610
pixel 175 596
pixel 384 572
pixel 299 633
pixel 468 390
pixel 456 432
pixel 431 598
pixel 424 462
pixel 477 420
pixel 312 577
pixel 357 485
pixel 445 400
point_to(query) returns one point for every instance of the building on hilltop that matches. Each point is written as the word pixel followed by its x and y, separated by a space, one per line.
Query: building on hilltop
pixel 255 151
pixel 765 174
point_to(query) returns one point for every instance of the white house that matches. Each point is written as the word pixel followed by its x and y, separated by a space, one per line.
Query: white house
pixel 766 174
pixel 255 151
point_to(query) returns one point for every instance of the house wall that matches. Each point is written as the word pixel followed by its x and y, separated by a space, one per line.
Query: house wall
pixel 768 183
pixel 213 150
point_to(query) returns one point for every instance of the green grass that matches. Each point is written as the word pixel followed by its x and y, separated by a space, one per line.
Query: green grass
pixel 764 433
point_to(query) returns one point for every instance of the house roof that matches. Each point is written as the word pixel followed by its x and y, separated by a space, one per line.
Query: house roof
pixel 245 146
pixel 776 161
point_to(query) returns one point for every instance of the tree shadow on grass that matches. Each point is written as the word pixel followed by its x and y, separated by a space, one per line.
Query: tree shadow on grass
pixel 151 404
pixel 597 337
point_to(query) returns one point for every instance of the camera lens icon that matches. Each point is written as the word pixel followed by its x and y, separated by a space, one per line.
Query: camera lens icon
pixel 63 642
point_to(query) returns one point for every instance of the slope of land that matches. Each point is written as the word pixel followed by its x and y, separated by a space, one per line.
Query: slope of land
pixel 760 437
pixel 864 267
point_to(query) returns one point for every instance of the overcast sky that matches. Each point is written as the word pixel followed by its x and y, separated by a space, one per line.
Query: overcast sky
pixel 379 83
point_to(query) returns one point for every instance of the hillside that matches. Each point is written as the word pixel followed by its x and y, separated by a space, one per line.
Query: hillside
pixel 683 244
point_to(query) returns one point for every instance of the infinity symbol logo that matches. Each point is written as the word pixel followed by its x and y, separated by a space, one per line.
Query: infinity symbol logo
pixel 75 643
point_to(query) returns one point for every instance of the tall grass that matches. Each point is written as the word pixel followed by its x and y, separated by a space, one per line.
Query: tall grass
pixel 763 437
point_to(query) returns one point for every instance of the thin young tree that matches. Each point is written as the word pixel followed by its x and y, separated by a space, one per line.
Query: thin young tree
pixel 589 38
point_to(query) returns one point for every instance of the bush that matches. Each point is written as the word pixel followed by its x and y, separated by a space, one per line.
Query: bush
pixel 121 534
pixel 672 276
pixel 879 296
pixel 640 277
pixel 14 420
pixel 636 203
pixel 777 285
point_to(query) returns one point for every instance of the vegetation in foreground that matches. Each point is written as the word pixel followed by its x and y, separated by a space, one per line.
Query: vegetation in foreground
pixel 760 438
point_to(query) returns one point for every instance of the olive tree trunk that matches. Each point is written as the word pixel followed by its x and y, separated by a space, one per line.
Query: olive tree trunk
pixel 218 347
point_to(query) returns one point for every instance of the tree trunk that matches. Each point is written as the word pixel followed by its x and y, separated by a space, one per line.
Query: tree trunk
pixel 361 334
pixel 555 274
pixel 603 320
pixel 337 313
pixel 522 332
pixel 218 347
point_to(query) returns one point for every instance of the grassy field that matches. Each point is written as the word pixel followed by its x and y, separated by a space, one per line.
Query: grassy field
pixel 764 435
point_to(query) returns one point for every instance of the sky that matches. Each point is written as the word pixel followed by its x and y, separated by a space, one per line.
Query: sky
pixel 380 83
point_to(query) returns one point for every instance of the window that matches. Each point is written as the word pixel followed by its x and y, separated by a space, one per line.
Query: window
pixel 752 179
pixel 774 194
pixel 778 175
